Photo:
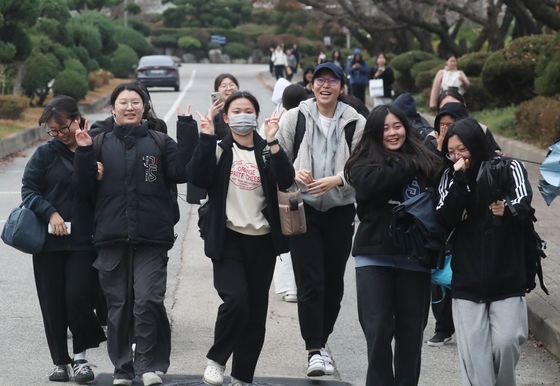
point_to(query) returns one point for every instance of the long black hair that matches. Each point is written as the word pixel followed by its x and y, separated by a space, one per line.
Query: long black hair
pixel 371 145
pixel 60 108
pixel 473 137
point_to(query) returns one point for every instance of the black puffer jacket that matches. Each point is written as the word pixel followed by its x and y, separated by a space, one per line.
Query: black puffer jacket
pixel 133 201
pixel 380 188
pixel 206 171
pixel 50 186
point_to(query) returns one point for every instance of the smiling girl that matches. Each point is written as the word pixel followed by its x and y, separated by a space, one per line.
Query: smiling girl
pixel 389 166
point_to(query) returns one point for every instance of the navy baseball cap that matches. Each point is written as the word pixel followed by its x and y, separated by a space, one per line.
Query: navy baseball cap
pixel 330 66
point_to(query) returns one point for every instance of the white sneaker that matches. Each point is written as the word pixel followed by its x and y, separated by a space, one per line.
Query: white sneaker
pixel 213 374
pixel 151 378
pixel 329 363
pixel 316 366
pixel 237 382
pixel 122 382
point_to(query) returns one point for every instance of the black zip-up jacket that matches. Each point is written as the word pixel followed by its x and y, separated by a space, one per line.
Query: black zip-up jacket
pixel 133 201
pixel 206 171
pixel 488 251
pixel 379 188
pixel 49 186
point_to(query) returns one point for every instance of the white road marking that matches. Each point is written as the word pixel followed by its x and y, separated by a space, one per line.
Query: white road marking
pixel 173 109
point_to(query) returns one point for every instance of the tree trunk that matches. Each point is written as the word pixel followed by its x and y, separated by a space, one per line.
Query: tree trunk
pixel 18 80
pixel 543 13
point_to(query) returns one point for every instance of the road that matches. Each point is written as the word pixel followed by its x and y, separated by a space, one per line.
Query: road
pixel 191 299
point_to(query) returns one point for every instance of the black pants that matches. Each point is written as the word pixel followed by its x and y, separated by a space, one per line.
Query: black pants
pixel 359 91
pixel 67 285
pixel 279 71
pixel 441 308
pixel 319 259
pixel 134 279
pixel 242 278
pixel 393 303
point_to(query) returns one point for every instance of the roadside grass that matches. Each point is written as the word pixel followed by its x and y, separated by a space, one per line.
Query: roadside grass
pixel 499 120
pixel 7 130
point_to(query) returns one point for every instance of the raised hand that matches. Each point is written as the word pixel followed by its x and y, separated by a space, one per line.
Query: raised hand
pixel 271 126
pixel 216 107
pixel 184 112
pixel 82 136
pixel 206 122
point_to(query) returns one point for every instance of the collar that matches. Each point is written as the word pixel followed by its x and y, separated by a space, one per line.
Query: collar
pixel 140 130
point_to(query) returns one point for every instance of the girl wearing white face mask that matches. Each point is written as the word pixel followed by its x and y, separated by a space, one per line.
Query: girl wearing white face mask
pixel 241 229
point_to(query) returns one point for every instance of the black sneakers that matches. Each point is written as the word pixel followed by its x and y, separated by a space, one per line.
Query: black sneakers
pixel 59 374
pixel 439 339
pixel 81 371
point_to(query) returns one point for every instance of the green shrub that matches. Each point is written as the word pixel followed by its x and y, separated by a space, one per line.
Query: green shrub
pixel 143 28
pixel 123 60
pixel 133 39
pixel 471 64
pixel 75 65
pixel 477 96
pixel 79 53
pixel 547 81
pixel 92 65
pixel 164 41
pixel 404 81
pixel 509 74
pixel 11 106
pixel 85 35
pixel 41 69
pixel 7 51
pixel 188 43
pixel 237 50
pixel 424 72
pixel 71 83
pixel 175 17
pixel 538 119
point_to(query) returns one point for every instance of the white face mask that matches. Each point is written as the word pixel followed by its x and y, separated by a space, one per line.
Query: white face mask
pixel 243 124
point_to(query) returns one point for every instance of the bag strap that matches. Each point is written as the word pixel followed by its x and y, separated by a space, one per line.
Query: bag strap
pixel 97 144
pixel 349 131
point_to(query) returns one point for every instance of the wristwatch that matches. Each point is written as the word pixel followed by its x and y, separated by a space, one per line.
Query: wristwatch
pixel 273 142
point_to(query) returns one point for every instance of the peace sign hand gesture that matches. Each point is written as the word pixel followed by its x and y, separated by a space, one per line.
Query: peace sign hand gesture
pixel 82 136
pixel 206 122
pixel 271 126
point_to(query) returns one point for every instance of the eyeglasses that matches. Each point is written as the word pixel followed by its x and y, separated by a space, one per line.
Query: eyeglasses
pixel 459 153
pixel 135 103
pixel 57 132
pixel 331 81
pixel 226 86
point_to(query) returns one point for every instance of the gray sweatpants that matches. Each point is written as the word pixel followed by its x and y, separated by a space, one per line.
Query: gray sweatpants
pixel 489 336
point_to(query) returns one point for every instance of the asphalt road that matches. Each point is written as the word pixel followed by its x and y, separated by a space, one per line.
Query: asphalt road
pixel 191 299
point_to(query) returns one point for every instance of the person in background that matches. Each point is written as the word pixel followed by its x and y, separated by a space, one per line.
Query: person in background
pixel 337 59
pixel 66 282
pixel 226 84
pixel 284 280
pixel 295 51
pixel 389 166
pixel 241 230
pixel 358 73
pixel 322 58
pixel 407 104
pixel 133 230
pixel 331 130
pixel 270 62
pixel 449 77
pixel 291 67
pixel 306 81
pixel 448 96
pixel 489 279
pixel 383 71
pixel 280 62
pixel 357 104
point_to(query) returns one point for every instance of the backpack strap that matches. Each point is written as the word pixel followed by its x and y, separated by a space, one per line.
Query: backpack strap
pixel 159 139
pixel 349 131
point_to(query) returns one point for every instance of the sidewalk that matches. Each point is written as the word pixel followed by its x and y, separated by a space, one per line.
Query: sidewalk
pixel 543 310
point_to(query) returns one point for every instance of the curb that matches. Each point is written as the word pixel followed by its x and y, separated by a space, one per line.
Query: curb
pixel 544 323
pixel 22 139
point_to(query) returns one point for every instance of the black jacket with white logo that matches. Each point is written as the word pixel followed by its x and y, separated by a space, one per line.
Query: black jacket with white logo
pixel 133 202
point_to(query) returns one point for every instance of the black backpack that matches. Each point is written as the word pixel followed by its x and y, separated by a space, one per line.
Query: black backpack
pixel 349 130
pixel 159 139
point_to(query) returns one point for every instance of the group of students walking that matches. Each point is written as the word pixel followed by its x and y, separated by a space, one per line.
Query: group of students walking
pixel 117 189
